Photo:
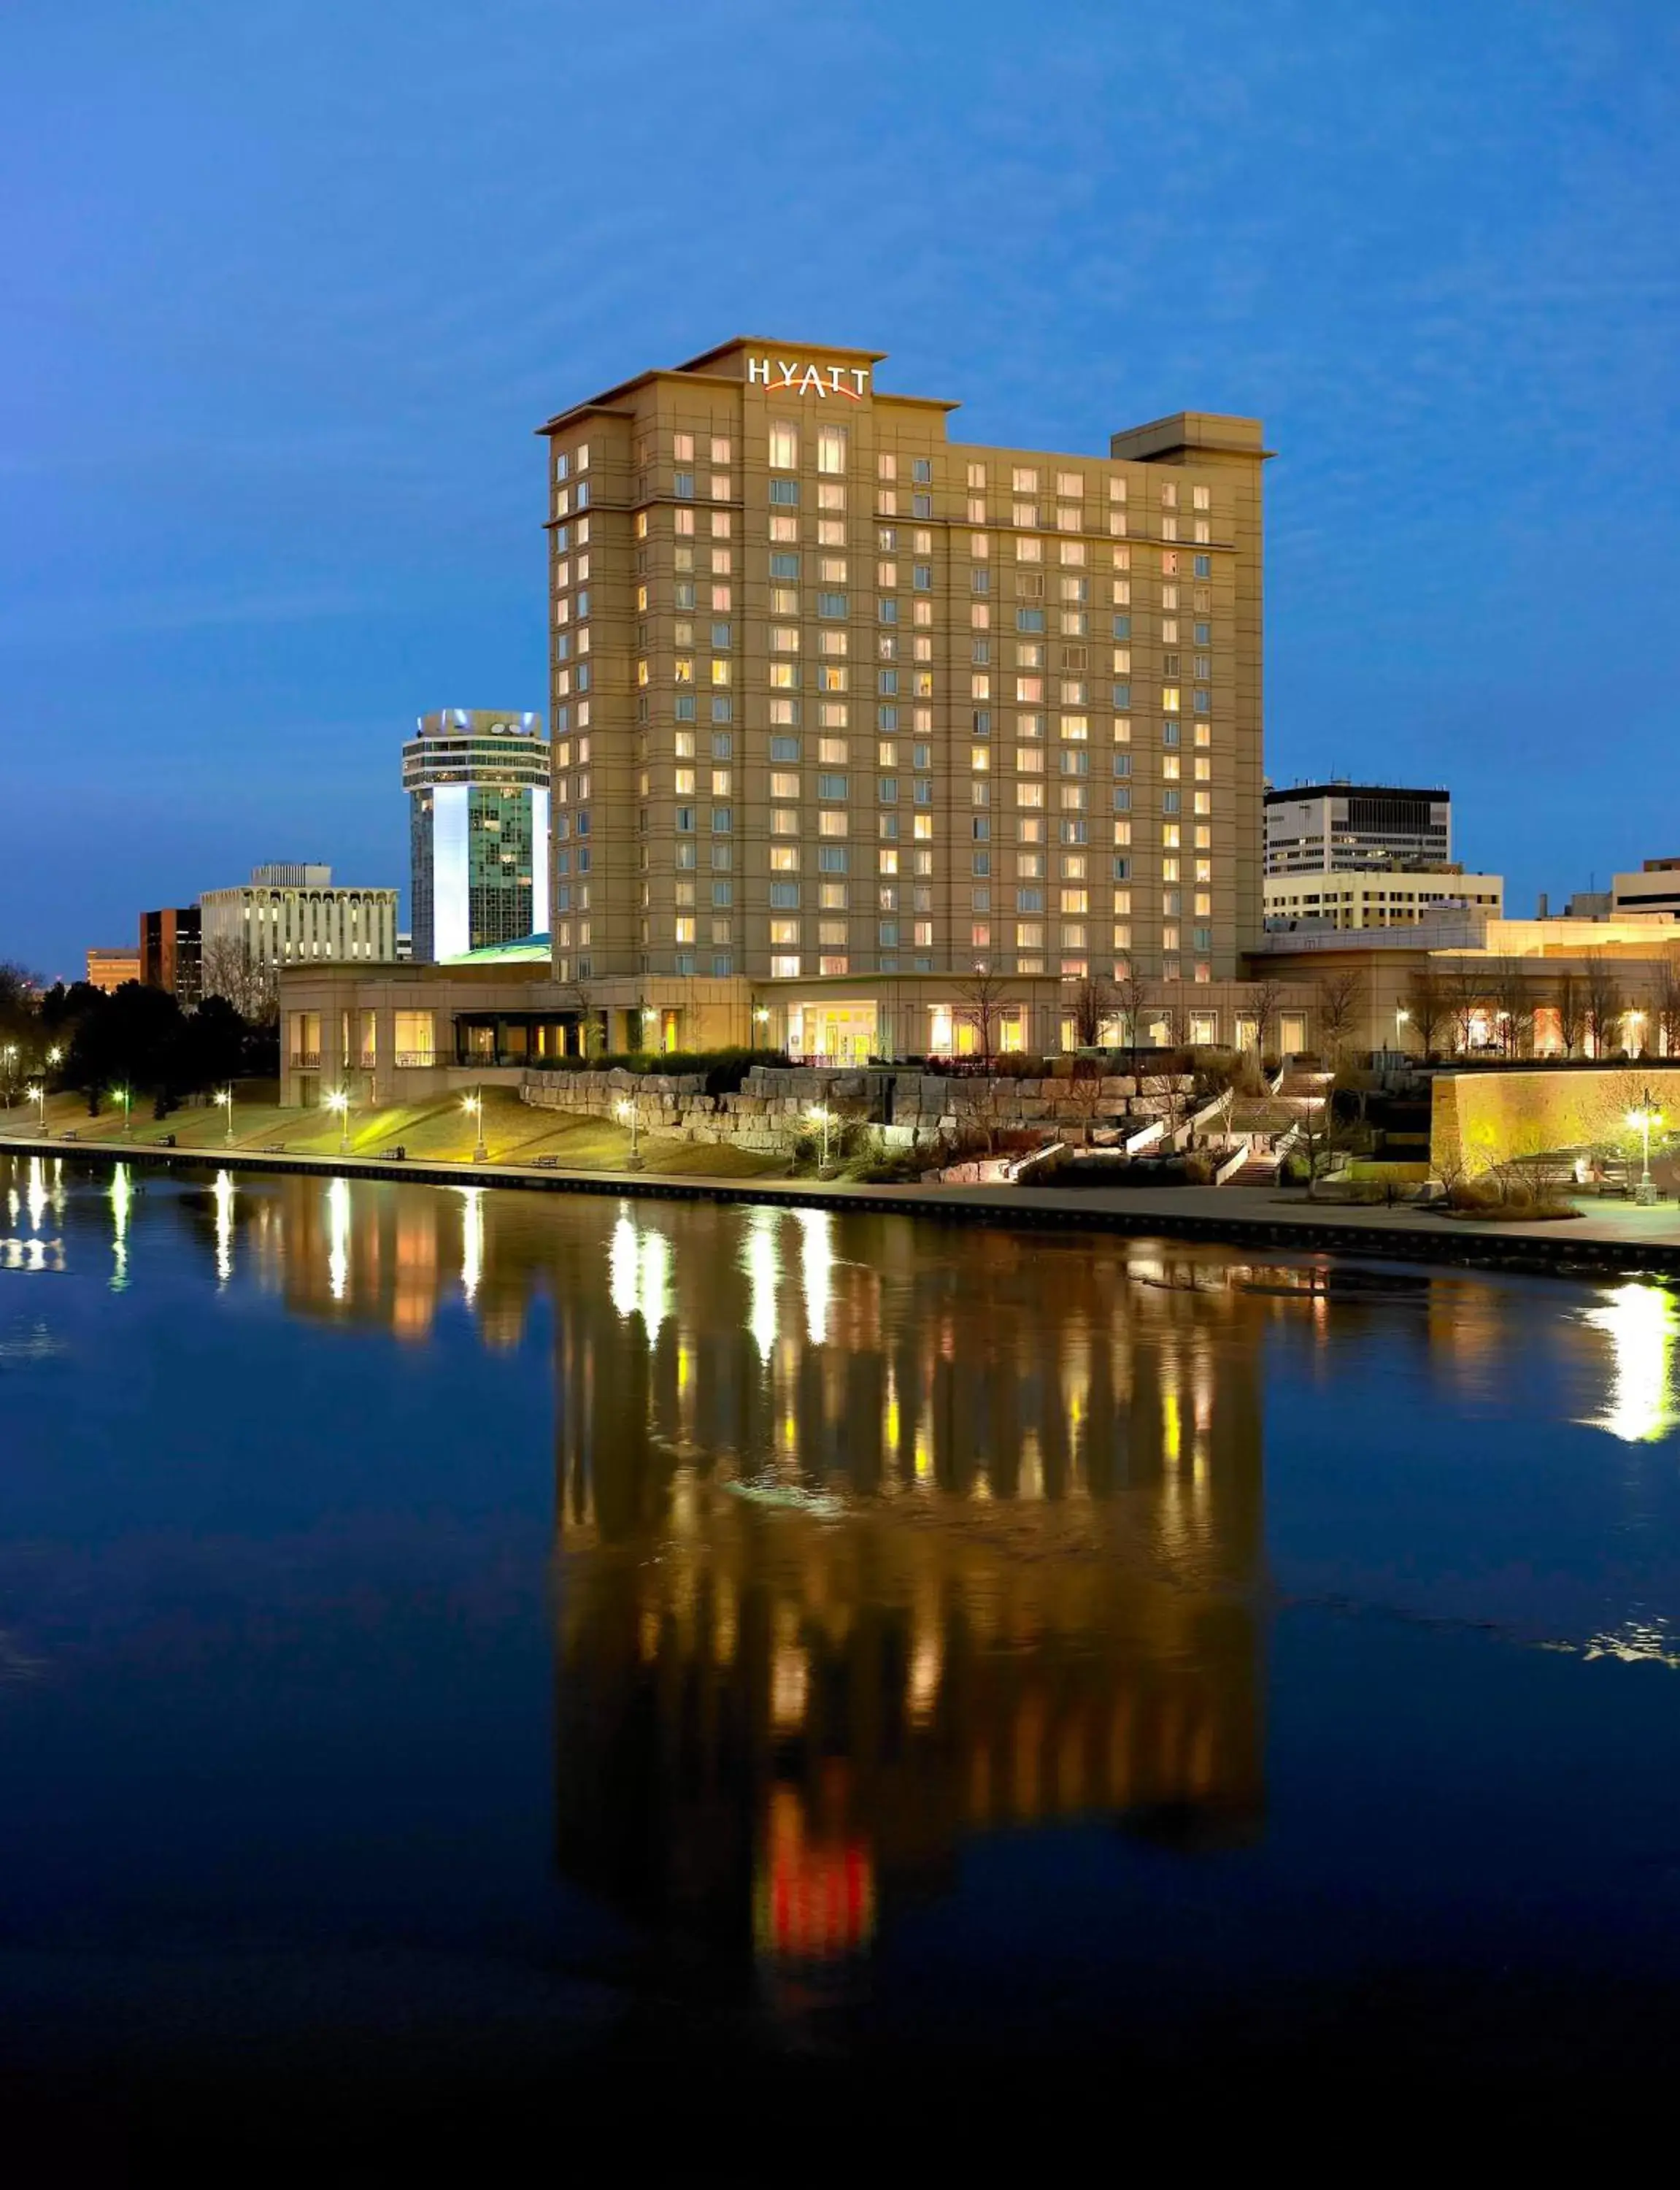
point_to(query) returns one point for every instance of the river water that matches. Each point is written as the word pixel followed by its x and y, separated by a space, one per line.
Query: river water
pixel 452 1640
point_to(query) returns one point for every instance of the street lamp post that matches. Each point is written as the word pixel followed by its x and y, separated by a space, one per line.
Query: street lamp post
pixel 474 1104
pixel 340 1102
pixel 1644 1118
pixel 10 1055
pixel 625 1112
pixel 818 1115
pixel 224 1101
pixel 125 1096
pixel 38 1094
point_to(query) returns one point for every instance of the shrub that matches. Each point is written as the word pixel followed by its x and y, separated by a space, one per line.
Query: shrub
pixel 1464 1193
pixel 886 1170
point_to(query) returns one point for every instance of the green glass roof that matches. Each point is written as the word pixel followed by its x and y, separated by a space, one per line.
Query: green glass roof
pixel 525 951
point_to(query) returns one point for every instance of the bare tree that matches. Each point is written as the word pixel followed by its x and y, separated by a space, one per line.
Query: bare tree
pixel 1425 1005
pixel 1667 1003
pixel 1086 1090
pixel 229 970
pixel 1315 1130
pixel 980 1002
pixel 1570 1001
pixel 1093 1002
pixel 592 1037
pixel 1173 1016
pixel 1509 983
pixel 1130 995
pixel 1466 987
pixel 1339 1002
pixel 1605 1003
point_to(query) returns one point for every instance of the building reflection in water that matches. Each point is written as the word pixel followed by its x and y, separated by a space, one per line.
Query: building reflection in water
pixel 874 1538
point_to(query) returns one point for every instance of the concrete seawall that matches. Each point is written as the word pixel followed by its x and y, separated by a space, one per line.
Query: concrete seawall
pixel 1622 1242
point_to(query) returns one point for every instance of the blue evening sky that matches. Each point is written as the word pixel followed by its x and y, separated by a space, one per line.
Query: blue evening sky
pixel 287 283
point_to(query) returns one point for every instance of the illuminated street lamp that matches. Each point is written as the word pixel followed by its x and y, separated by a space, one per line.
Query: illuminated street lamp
pixel 340 1102
pixel 624 1111
pixel 1642 1119
pixel 224 1101
pixel 125 1096
pixel 474 1104
pixel 819 1114
pixel 38 1094
pixel 55 1057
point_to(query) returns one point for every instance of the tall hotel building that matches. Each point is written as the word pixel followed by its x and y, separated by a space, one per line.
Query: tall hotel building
pixel 844 710
pixel 476 780
pixel 846 716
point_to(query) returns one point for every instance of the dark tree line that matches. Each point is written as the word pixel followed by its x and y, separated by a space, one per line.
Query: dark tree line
pixel 79 1037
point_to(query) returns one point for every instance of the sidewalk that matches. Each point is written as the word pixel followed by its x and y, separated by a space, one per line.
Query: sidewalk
pixel 1605 1237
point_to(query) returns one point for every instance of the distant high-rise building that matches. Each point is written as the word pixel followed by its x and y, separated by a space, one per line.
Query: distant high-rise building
pixel 1380 897
pixel 1339 828
pixel 110 969
pixel 170 955
pixel 478 785
pixel 1655 889
pixel 268 923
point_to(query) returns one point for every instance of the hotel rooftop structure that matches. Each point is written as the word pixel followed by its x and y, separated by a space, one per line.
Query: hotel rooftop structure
pixel 846 713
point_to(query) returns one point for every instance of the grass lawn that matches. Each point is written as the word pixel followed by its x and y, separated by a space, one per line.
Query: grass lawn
pixel 438 1130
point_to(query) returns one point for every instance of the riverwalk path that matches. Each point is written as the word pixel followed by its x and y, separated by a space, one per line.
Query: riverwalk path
pixel 1603 1237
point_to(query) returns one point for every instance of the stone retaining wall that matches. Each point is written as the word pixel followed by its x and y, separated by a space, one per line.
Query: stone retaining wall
pixel 908 1109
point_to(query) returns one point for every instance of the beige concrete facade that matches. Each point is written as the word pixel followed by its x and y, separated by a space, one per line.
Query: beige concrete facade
pixel 1380 898
pixel 275 925
pixel 405 1032
pixel 1521 988
pixel 110 969
pixel 835 697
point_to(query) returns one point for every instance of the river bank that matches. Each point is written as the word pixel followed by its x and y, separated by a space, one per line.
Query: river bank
pixel 1601 1240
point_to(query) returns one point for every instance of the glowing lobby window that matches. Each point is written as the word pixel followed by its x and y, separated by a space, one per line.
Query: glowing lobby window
pixel 415 1039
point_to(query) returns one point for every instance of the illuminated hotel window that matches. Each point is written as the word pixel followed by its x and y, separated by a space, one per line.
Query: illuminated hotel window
pixel 831 448
pixel 784 446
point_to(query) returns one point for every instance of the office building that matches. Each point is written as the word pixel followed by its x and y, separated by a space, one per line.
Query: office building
pixel 170 953
pixel 110 969
pixel 476 780
pixel 1338 828
pixel 295 916
pixel 1379 897
pixel 1655 889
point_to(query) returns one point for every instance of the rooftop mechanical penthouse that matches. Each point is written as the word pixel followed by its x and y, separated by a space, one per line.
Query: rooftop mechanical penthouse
pixel 844 705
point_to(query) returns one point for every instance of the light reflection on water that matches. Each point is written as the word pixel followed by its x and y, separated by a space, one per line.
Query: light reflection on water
pixel 1640 1322
pixel 871 1542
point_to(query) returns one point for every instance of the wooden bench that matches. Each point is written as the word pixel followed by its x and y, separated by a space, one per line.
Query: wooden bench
pixel 273 1148
pixel 547 1163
